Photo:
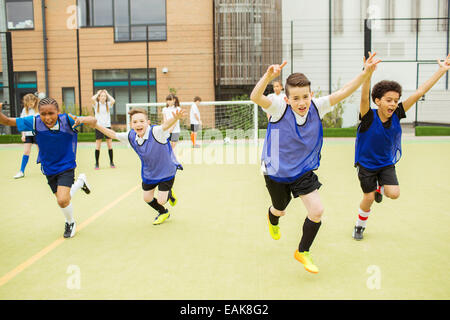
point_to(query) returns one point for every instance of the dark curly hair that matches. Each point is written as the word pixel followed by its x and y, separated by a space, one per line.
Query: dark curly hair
pixel 47 101
pixel 380 89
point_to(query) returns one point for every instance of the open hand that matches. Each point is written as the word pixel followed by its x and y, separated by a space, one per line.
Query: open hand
pixel 445 65
pixel 274 70
pixel 370 65
pixel 179 113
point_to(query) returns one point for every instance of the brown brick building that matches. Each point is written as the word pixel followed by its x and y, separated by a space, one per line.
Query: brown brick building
pixel 112 50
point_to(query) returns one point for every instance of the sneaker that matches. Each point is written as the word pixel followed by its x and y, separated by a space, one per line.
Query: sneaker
pixel 112 165
pixel 96 167
pixel 378 195
pixel 19 175
pixel 358 233
pixel 85 186
pixel 160 218
pixel 172 198
pixel 306 259
pixel 274 230
pixel 70 229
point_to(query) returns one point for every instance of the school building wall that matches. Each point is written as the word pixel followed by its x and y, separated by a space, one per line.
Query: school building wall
pixel 187 53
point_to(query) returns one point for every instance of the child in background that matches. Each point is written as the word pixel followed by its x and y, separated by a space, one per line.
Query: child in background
pixel 277 93
pixel 30 108
pixel 172 105
pixel 103 102
pixel 195 120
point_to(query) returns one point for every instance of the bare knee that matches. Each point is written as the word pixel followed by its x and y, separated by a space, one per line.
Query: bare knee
pixel 316 213
pixel 392 194
pixel 63 201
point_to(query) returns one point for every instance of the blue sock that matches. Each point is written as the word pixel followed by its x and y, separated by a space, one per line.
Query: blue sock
pixel 24 162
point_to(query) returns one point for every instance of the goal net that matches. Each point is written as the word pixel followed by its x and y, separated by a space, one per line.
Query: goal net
pixel 225 122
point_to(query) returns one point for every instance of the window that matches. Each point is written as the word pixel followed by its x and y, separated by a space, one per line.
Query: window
pixel 442 13
pixel 132 17
pixel 415 13
pixel 338 18
pixel 390 14
pixel 19 14
pixel 68 100
pixel 96 13
pixel 126 86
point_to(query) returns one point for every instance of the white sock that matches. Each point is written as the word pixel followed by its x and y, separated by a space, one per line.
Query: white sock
pixel 76 186
pixel 68 213
pixel 362 218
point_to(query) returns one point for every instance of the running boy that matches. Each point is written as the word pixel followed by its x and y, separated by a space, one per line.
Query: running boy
pixel 57 141
pixel 292 148
pixel 378 141
pixel 277 93
pixel 159 165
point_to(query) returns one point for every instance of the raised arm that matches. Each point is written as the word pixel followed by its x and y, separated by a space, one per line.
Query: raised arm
pixel 177 115
pixel 6 121
pixel 110 98
pixel 94 97
pixel 257 95
pixel 364 105
pixel 350 87
pixel 444 66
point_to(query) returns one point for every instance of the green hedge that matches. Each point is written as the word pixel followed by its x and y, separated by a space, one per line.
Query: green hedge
pixel 432 131
pixel 15 138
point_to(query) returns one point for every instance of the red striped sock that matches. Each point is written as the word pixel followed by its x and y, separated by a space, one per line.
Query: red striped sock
pixel 362 218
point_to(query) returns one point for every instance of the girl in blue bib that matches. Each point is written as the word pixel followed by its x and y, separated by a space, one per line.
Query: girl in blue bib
pixel 56 138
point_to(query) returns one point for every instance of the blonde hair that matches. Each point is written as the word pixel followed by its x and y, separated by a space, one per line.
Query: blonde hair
pixel 98 101
pixel 30 101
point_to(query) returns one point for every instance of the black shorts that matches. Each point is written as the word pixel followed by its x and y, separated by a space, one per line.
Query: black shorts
pixel 162 186
pixel 65 178
pixel 368 178
pixel 194 127
pixel 174 137
pixel 280 193
pixel 99 135
pixel 30 139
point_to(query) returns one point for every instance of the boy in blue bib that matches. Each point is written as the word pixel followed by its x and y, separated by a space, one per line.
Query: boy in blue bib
pixel 56 137
pixel 159 164
pixel 378 141
pixel 292 149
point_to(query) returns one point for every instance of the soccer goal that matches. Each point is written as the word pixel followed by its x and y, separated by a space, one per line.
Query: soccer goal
pixel 222 121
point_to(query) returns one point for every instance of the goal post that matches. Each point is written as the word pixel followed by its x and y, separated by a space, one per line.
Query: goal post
pixel 224 116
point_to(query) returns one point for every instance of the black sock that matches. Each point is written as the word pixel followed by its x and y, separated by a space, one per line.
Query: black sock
pixel 110 155
pixel 310 229
pixel 170 195
pixel 97 156
pixel 273 218
pixel 155 205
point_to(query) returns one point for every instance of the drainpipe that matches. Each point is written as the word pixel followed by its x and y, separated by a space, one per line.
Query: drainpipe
pixel 44 35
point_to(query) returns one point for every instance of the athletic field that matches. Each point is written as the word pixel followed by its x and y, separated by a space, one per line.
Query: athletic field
pixel 216 243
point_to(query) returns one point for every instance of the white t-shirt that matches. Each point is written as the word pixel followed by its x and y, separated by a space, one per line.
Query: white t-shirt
pixel 167 111
pixel 277 108
pixel 103 116
pixel 276 96
pixel 194 111
pixel 158 133
pixel 24 113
